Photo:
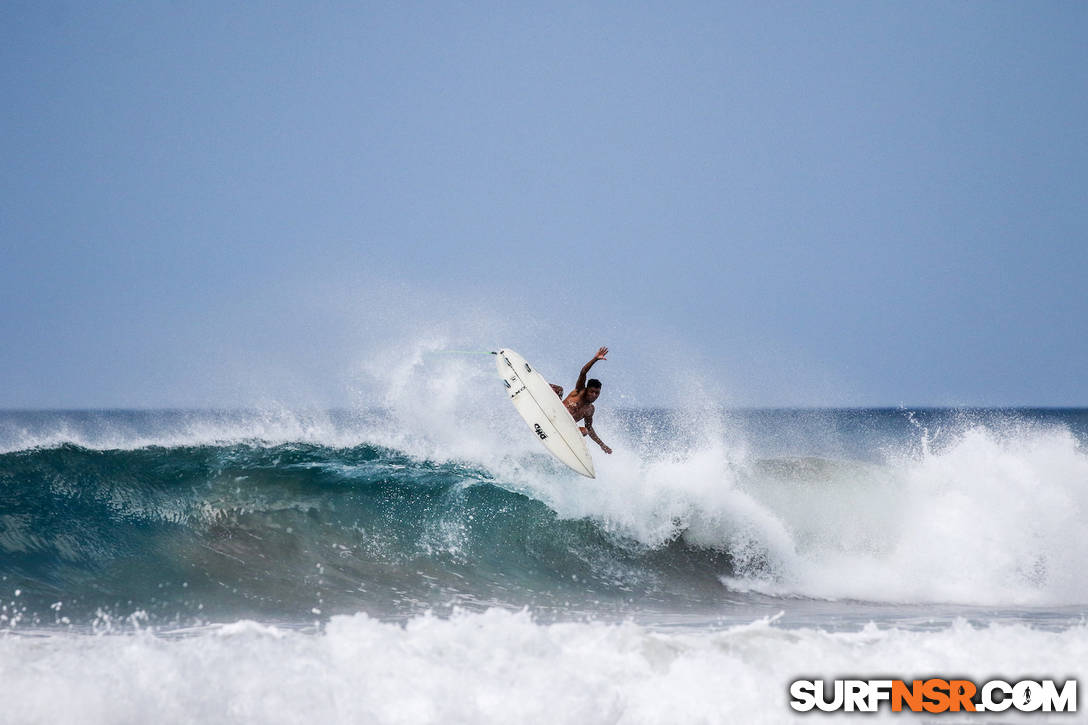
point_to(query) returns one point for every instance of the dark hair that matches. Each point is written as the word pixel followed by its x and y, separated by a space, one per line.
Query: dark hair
pixel 593 383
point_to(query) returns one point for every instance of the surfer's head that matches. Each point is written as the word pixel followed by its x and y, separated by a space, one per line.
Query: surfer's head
pixel 593 389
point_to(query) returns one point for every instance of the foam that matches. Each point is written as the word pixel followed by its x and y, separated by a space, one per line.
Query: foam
pixel 986 520
pixel 989 519
pixel 494 666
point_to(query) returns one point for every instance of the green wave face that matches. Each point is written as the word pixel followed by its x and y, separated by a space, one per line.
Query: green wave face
pixel 293 531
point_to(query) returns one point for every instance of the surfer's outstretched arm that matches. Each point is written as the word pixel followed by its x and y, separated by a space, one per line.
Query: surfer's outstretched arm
pixel 588 430
pixel 581 384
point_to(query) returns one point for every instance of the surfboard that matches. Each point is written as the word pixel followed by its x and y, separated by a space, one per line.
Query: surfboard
pixel 541 408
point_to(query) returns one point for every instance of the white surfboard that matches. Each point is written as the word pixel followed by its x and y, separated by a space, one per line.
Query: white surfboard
pixel 545 413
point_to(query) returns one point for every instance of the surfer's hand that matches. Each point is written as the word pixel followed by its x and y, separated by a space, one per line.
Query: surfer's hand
pixel 601 354
pixel 606 449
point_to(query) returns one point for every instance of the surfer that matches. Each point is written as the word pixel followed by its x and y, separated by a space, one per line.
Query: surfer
pixel 581 399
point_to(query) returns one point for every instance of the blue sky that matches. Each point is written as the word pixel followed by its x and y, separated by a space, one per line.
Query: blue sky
pixel 846 203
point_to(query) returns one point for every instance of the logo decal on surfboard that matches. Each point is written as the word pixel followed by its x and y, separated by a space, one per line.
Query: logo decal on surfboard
pixel 539 431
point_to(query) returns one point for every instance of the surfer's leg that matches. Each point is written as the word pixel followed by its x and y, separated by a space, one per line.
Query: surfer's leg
pixel 558 390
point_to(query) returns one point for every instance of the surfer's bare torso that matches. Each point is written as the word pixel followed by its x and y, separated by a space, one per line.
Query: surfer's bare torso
pixel 579 409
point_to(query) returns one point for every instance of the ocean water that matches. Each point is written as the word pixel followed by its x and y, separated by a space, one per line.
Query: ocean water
pixel 419 562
